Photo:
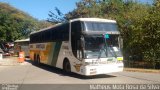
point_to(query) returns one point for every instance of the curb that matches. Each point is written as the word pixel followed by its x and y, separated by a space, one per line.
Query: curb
pixel 142 70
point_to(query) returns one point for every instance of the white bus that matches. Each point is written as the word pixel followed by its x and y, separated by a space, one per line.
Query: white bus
pixel 86 46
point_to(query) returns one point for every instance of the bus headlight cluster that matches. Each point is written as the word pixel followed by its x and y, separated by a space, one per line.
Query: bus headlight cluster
pixel 91 63
pixel 87 63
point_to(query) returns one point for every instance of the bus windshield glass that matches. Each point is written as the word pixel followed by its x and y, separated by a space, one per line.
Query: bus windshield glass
pixel 97 47
pixel 100 26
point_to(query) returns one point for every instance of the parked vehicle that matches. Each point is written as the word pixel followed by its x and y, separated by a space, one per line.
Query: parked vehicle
pixel 4 49
pixel 21 45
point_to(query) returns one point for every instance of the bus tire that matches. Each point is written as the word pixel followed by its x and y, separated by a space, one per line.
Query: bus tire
pixel 35 59
pixel 66 66
pixel 38 60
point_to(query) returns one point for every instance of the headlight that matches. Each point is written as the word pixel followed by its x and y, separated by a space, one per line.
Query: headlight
pixel 88 63
pixel 91 63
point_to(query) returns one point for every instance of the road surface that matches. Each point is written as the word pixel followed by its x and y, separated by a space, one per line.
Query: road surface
pixel 29 74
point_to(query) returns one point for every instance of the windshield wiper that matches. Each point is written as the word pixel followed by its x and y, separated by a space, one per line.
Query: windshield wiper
pixel 101 50
pixel 113 52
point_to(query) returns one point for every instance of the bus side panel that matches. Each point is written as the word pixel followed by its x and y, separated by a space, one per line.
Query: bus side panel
pixel 63 53
pixel 44 54
pixel 39 49
pixel 48 52
pixel 54 53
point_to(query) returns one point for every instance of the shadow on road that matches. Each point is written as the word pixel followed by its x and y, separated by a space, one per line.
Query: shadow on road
pixel 63 73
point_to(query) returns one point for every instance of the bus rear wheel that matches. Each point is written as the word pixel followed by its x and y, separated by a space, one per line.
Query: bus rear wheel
pixel 36 59
pixel 66 66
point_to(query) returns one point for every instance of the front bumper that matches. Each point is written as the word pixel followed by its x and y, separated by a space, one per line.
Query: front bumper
pixel 102 69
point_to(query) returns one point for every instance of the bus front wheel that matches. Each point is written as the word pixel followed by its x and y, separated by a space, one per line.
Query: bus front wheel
pixel 66 66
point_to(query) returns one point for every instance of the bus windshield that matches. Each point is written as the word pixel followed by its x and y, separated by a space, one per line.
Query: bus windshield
pixel 96 47
pixel 100 26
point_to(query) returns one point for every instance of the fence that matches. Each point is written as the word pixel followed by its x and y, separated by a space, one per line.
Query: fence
pixel 142 64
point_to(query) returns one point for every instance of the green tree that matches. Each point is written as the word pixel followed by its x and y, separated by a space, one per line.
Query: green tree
pixel 15 24
pixel 138 24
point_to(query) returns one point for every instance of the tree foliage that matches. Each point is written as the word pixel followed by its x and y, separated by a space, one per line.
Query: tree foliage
pixel 138 23
pixel 56 18
pixel 15 24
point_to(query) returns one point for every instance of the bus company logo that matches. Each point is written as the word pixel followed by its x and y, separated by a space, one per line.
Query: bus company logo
pixel 40 46
pixel 31 46
pixel 77 67
pixel 65 47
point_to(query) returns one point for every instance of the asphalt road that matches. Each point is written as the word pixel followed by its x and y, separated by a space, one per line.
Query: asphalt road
pixel 29 75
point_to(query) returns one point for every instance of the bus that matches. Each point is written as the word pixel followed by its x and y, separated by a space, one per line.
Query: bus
pixel 86 46
pixel 21 45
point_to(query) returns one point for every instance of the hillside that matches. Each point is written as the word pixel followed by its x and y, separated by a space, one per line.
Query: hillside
pixel 6 8
pixel 16 24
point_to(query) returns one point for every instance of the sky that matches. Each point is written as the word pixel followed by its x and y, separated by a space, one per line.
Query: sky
pixel 39 9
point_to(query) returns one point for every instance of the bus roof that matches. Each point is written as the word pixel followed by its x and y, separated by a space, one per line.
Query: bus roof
pixel 47 28
pixel 22 40
pixel 93 19
pixel 77 19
